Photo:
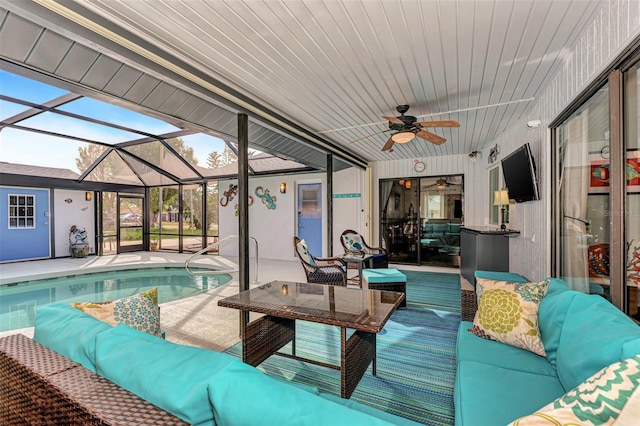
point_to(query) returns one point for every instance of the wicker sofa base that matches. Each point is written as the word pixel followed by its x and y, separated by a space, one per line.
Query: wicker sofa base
pixel 41 387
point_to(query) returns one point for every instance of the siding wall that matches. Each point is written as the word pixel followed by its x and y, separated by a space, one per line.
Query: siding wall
pixel 612 30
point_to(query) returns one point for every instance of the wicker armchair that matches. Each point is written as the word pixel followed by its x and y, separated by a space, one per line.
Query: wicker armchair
pixel 352 242
pixel 330 271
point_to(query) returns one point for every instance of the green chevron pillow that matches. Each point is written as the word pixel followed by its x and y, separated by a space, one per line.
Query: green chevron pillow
pixel 508 312
pixel 612 395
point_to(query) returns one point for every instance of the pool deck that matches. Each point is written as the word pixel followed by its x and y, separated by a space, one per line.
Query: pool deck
pixel 196 320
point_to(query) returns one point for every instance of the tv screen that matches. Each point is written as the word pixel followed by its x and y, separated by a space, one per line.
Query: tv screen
pixel 519 172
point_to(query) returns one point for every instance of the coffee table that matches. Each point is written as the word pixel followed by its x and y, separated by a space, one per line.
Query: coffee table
pixel 282 303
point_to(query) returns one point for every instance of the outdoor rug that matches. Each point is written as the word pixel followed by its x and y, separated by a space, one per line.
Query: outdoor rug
pixel 415 353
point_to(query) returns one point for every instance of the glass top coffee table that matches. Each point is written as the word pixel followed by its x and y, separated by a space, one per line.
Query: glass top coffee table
pixel 365 311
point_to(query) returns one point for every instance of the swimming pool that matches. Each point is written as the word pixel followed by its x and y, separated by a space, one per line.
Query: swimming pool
pixel 18 302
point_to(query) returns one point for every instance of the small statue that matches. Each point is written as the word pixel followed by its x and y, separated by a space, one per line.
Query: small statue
pixel 78 242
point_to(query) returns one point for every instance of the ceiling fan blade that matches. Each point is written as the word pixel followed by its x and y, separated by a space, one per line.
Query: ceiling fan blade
pixel 395 120
pixel 433 138
pixel 387 146
pixel 369 135
pixel 443 123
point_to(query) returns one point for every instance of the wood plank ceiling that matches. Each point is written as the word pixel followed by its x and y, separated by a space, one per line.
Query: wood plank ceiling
pixel 336 67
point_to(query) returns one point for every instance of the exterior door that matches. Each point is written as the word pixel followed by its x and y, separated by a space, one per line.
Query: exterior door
pixel 310 216
pixel 130 223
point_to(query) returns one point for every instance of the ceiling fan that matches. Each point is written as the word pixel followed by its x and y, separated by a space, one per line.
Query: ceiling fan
pixel 440 184
pixel 408 127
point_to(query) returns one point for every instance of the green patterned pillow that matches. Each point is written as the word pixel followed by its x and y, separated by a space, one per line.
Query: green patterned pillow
pixel 508 312
pixel 139 311
pixel 612 395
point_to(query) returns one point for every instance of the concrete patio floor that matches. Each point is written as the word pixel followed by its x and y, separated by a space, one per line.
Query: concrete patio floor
pixel 195 321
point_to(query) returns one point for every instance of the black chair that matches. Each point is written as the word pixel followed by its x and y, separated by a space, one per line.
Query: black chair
pixel 329 271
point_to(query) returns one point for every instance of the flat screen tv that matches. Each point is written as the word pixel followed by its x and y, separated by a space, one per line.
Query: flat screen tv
pixel 519 172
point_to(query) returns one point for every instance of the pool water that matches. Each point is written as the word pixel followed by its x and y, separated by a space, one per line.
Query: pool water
pixel 18 303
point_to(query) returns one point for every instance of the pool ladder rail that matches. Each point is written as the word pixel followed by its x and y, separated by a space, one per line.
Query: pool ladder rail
pixel 228 271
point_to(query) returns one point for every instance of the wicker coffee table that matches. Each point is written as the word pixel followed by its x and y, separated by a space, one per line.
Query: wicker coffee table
pixel 365 311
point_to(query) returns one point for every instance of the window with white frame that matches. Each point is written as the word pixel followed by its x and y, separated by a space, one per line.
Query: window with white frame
pixel 22 210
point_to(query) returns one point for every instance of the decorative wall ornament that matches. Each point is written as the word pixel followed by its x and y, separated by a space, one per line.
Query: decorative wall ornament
pixel 68 200
pixel 493 154
pixel 267 199
pixel 229 195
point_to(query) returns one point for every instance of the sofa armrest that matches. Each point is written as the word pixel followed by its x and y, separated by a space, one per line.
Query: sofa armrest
pixel 40 386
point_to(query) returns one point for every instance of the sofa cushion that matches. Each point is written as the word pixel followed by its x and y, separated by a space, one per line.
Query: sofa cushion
pixel 353 242
pixel 593 336
pixel 508 313
pixel 552 314
pixel 139 311
pixel 243 395
pixel 68 332
pixel 597 401
pixel 488 395
pixel 170 376
pixel 470 347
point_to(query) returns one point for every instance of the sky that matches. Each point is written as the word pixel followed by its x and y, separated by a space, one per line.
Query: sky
pixel 23 147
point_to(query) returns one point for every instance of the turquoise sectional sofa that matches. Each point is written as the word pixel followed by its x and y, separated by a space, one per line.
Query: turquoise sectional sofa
pixel 199 386
pixel 497 383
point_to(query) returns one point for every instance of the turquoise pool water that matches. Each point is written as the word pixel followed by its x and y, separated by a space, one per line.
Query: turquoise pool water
pixel 18 303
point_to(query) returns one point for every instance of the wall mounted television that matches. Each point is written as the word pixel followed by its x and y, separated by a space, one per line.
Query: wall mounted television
pixel 519 171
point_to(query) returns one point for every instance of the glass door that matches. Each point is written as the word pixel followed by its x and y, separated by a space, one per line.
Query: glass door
pixel 399 224
pixel 131 214
pixel 632 199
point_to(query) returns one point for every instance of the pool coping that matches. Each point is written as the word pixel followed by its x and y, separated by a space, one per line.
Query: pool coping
pixel 19 272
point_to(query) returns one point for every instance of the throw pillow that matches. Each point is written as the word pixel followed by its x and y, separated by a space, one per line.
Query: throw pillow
pixel 610 394
pixel 508 312
pixel 353 242
pixel 303 252
pixel 139 311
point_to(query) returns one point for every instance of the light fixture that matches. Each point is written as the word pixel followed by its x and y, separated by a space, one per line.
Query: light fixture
pixel 534 124
pixel 88 196
pixel 407 184
pixel 403 137
pixel 501 198
pixel 284 289
pixel 441 186
pixel 283 187
pixel 401 182
pixel 473 156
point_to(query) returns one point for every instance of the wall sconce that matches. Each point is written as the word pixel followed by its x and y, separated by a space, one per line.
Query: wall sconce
pixel 473 156
pixel 401 182
pixel 285 289
pixel 283 188
pixel 88 196
pixel 407 184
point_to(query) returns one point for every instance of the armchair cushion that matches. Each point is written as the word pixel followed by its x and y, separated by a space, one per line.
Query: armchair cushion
pixel 353 242
pixel 303 251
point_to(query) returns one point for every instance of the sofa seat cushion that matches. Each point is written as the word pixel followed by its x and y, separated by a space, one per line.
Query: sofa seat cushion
pixel 488 395
pixel 171 376
pixel 511 277
pixel 69 332
pixel 599 400
pixel 242 395
pixel 593 336
pixel 470 347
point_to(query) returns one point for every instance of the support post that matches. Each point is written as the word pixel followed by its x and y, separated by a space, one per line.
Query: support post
pixel 243 209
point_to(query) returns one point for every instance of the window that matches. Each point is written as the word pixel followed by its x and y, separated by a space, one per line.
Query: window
pixel 22 209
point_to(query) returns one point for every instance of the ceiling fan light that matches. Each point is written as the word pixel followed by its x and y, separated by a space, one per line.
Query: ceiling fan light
pixel 403 137
pixel 441 186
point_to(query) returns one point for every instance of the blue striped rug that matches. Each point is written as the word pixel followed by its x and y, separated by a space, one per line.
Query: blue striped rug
pixel 416 354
